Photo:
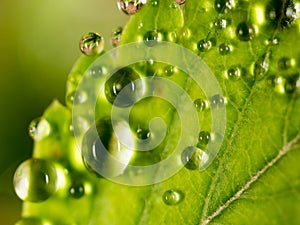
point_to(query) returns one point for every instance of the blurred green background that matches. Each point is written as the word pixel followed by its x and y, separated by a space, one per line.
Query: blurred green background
pixel 38 46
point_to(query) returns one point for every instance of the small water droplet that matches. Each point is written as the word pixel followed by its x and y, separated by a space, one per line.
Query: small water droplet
pixel 224 48
pixel 203 138
pixel 172 36
pixel 173 5
pixel 204 45
pixel 76 190
pixel 172 197
pixel 130 7
pixel 116 36
pixel 97 71
pixel 185 33
pixel 220 23
pixel 152 37
pixel 217 101
pixel 170 70
pixel 154 2
pixel 35 180
pixel 76 97
pixel 200 104
pixel 291 84
pixel 39 128
pixel 245 31
pixel 180 2
pixel 261 67
pixel 223 6
pixel 271 80
pixel 285 63
pixel 123 78
pixel 142 134
pixel 273 41
pixel 193 158
pixel 33 221
pixel 91 44
pixel 234 73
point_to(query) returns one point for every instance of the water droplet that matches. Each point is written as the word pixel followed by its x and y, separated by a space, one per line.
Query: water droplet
pixel 220 23
pixel 35 180
pixel 180 2
pixel 170 70
pixel 129 7
pixel 33 221
pixel 154 2
pixel 273 41
pixel 224 49
pixel 234 73
pixel 172 36
pixel 285 63
pixel 152 37
pixel 285 12
pixel 76 97
pixel 172 197
pixel 223 6
pixel 245 31
pixel 261 67
pixel 76 190
pixel 100 143
pixel 123 79
pixel 142 134
pixel 91 44
pixel 291 83
pixel 39 128
pixel 116 36
pixel 203 138
pixel 200 104
pixel 217 101
pixel 97 71
pixel 271 80
pixel 185 33
pixel 193 158
pixel 204 45
pixel 173 5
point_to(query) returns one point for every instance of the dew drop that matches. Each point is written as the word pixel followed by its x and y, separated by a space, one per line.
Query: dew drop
pixel 261 67
pixel 142 134
pixel 271 80
pixel 193 158
pixel 172 197
pixel 224 49
pixel 186 33
pixel 204 45
pixel 97 71
pixel 33 221
pixel 273 41
pixel 91 44
pixel 76 97
pixel 223 6
pixel 285 63
pixel 172 36
pixel 39 128
pixel 152 37
pixel 154 2
pixel 234 73
pixel 217 101
pixel 76 190
pixel 116 36
pixel 35 180
pixel 245 31
pixel 170 70
pixel 203 138
pixel 123 79
pixel 130 7
pixel 220 23
pixel 180 2
pixel 291 84
pixel 200 104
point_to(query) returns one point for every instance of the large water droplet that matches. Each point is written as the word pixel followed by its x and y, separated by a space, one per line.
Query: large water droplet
pixel 33 221
pixel 76 190
pixel 217 101
pixel 204 45
pixel 100 144
pixel 200 104
pixel 39 128
pixel 234 73
pixel 193 158
pixel 223 6
pixel 152 37
pixel 203 138
pixel 116 36
pixel 35 180
pixel 172 197
pixel 245 31
pixel 130 7
pixel 224 49
pixel 123 79
pixel 91 44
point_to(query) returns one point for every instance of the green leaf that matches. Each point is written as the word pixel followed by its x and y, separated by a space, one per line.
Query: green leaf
pixel 255 178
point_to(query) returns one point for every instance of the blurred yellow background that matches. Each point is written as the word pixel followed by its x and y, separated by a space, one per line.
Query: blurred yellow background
pixel 38 46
